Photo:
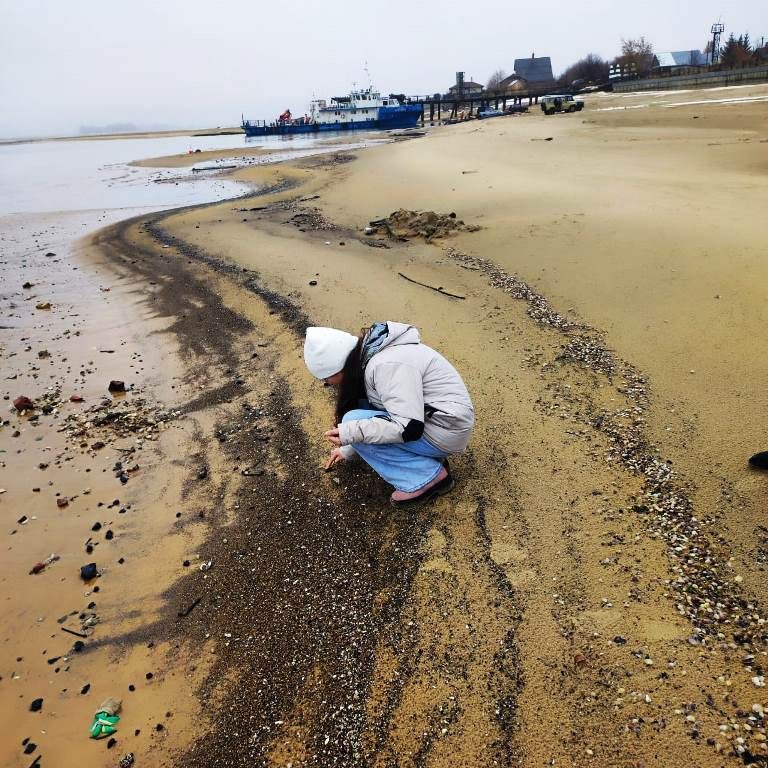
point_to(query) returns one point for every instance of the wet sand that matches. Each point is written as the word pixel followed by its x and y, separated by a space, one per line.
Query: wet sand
pixel 62 497
pixel 243 156
pixel 193 158
pixel 564 602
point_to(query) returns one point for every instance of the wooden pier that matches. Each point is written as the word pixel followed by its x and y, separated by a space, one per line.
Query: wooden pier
pixel 451 105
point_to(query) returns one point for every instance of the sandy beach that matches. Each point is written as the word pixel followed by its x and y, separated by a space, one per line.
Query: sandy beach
pixel 593 593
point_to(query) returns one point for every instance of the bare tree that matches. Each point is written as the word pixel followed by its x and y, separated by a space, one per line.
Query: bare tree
pixel 494 81
pixel 591 69
pixel 637 51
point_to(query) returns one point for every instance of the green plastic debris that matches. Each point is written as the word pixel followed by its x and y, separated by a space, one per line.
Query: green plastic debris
pixel 105 719
pixel 104 725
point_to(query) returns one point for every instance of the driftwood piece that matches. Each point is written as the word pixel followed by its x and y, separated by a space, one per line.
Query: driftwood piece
pixel 72 632
pixel 213 168
pixel 432 287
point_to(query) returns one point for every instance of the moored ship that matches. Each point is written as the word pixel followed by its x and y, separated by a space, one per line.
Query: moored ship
pixel 361 109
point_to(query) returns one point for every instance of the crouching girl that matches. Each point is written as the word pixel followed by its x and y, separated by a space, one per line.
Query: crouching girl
pixel 401 406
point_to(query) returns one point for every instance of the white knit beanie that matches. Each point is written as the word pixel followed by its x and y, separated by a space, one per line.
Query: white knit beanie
pixel 326 350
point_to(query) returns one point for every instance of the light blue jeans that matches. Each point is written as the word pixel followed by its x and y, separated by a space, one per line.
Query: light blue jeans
pixel 407 466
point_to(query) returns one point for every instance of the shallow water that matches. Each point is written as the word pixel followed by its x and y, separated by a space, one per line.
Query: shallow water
pixel 88 174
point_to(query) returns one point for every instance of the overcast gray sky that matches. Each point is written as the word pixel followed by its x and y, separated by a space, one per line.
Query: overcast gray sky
pixel 68 63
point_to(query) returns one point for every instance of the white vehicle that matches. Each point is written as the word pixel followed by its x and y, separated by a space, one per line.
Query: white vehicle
pixel 561 102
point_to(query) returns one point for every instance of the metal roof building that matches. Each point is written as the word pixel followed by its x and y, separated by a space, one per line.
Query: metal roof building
pixel 692 58
pixel 534 70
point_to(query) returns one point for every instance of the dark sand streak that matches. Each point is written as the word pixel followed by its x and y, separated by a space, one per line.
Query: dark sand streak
pixel 296 586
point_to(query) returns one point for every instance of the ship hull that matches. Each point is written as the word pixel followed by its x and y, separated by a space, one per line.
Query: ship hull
pixel 389 118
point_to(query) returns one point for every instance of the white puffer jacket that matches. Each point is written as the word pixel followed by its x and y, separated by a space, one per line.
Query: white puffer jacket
pixel 413 382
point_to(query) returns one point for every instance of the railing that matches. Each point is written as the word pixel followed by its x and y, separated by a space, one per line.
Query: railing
pixel 702 80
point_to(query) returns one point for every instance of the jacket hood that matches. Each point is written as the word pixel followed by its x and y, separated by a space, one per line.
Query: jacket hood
pixel 389 334
pixel 400 333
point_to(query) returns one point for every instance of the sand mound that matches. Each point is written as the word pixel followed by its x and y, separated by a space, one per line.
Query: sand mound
pixel 403 224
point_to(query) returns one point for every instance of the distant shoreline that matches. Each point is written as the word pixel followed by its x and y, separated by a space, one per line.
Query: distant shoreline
pixel 231 131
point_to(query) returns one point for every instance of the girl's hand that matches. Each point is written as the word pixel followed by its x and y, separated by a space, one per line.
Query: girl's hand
pixel 335 458
pixel 332 436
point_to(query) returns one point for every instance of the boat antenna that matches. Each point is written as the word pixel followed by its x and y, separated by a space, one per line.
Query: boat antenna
pixel 368 75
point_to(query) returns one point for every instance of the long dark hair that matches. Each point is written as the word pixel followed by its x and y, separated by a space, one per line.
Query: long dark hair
pixel 352 386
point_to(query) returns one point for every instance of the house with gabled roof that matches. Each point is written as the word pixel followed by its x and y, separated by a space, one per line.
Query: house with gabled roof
pixel 467 88
pixel 533 73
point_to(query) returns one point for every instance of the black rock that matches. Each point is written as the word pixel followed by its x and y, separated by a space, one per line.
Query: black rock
pixel 78 646
pixel 30 748
pixel 96 527
pixel 202 474
pixel 109 535
pixel 759 460
pixel 85 688
pixel 36 705
pixel 111 743
pixel 116 386
pixel 313 282
pixel 88 572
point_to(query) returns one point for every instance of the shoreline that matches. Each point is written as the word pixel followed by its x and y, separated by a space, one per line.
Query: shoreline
pixel 282 535
pixel 483 628
pixel 392 545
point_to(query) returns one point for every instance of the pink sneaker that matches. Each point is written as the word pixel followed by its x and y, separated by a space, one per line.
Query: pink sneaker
pixel 442 484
